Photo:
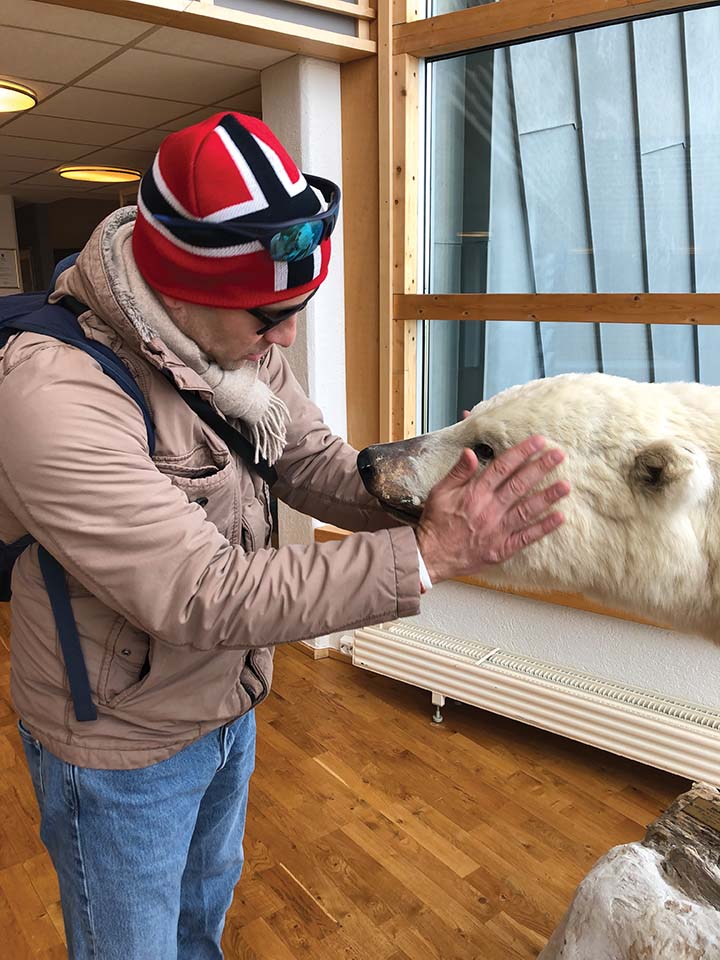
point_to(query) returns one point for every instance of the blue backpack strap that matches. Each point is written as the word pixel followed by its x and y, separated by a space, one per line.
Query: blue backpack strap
pixel 60 322
pixel 56 585
pixel 9 552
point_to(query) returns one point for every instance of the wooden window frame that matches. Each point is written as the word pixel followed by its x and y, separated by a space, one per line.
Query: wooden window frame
pixel 204 16
pixel 404 38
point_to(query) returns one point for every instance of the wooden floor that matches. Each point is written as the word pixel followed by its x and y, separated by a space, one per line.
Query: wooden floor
pixel 373 833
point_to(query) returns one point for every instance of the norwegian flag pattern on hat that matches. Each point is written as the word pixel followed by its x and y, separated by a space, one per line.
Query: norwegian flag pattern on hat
pixel 230 167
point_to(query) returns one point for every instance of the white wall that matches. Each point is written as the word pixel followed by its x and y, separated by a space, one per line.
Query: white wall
pixel 302 106
pixel 674 664
pixel 8 232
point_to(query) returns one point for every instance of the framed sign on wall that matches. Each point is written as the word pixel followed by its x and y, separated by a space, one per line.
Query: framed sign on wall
pixel 9 270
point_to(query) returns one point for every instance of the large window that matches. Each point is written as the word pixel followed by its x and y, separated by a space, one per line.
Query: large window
pixel 585 163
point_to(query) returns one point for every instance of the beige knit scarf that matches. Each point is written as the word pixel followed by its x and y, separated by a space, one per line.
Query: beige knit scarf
pixel 240 394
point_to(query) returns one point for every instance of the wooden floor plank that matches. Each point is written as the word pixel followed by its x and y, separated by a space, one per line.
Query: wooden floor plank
pixel 373 833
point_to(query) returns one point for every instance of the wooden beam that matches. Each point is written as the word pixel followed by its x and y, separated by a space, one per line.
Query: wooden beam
pixel 405 241
pixel 359 84
pixel 406 10
pixel 232 24
pixel 405 173
pixel 513 20
pixel 385 248
pixel 696 309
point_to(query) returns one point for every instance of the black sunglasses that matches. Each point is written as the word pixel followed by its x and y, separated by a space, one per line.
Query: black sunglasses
pixel 285 240
pixel 273 319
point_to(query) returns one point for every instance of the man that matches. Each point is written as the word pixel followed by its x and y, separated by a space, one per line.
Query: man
pixel 178 597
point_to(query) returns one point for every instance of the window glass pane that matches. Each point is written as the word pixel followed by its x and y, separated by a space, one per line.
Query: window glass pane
pixel 467 361
pixel 581 163
pixel 576 164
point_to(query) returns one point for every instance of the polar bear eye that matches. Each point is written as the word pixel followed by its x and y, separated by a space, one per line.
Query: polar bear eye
pixel 483 451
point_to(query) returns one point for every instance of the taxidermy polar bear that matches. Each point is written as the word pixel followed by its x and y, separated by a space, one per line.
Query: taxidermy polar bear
pixel 642 528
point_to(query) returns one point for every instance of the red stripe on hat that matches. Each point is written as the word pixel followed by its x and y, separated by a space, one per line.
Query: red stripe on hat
pixel 227 187
pixel 177 159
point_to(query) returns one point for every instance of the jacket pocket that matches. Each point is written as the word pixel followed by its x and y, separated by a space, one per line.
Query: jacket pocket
pixel 200 463
pixel 208 479
pixel 125 663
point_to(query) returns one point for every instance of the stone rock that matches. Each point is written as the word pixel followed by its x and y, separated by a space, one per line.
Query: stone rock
pixel 654 900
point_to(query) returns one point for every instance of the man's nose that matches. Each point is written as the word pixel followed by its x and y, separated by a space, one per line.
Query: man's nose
pixel 284 333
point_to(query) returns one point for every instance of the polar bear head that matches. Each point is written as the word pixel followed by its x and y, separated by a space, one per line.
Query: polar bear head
pixel 641 460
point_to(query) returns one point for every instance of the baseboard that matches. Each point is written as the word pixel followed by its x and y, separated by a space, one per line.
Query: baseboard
pixel 321 653
pixel 315 653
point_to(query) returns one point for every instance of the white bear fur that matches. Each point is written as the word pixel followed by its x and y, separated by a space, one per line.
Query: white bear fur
pixel 649 548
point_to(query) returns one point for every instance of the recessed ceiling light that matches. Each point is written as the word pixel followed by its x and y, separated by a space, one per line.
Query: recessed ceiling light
pixel 14 97
pixel 95 174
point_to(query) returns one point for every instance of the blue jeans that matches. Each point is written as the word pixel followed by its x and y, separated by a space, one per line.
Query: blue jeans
pixel 147 859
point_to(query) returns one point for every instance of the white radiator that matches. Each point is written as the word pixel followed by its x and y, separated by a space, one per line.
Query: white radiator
pixel 670 734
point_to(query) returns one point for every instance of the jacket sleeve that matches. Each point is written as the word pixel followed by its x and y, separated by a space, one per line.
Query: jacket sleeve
pixel 317 473
pixel 75 470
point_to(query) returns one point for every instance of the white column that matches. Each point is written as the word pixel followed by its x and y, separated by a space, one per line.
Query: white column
pixel 8 235
pixel 302 106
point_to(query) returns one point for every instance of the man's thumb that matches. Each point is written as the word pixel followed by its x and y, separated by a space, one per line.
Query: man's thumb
pixel 464 469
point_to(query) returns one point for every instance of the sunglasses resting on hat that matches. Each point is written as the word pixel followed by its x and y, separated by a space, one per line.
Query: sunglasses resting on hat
pixel 285 240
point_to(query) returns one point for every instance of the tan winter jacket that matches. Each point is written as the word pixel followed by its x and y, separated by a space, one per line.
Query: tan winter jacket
pixel 167 556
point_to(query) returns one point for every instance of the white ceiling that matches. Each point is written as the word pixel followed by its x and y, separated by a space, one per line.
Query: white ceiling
pixel 109 90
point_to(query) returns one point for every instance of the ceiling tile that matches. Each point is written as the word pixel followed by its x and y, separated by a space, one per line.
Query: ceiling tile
pixel 7 178
pixel 213 49
pixel 48 56
pixel 197 116
pixel 55 181
pixel 147 140
pixel 23 164
pixel 70 131
pixel 76 23
pixel 155 75
pixel 117 157
pixel 248 102
pixel 52 150
pixel 81 104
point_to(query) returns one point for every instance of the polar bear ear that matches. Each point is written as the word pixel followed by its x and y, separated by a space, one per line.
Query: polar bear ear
pixel 665 467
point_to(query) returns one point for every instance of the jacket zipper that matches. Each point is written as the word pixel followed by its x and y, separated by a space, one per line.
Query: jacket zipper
pixel 258 675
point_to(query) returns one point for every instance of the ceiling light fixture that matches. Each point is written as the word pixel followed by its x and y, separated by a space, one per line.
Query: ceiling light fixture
pixel 14 97
pixel 99 174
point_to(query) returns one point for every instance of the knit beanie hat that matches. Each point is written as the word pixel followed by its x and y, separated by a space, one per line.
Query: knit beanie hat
pixel 232 170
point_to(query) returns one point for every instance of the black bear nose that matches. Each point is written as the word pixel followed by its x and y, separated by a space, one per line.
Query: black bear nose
pixel 365 464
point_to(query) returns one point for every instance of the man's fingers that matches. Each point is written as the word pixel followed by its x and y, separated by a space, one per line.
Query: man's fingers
pixel 504 466
pixel 527 511
pixel 528 476
pixel 466 414
pixel 536 531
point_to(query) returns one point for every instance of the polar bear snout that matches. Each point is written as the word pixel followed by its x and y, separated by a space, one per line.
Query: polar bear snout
pixel 387 471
